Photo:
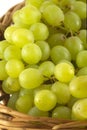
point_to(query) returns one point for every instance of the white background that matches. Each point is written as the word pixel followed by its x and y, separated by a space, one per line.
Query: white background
pixel 7 4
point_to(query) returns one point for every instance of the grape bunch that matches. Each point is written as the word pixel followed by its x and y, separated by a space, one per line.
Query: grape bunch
pixel 43 59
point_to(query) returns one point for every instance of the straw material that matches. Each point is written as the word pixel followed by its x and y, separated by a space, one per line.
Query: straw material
pixel 13 120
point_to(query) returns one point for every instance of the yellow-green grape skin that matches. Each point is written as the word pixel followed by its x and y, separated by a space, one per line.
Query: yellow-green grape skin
pixel 82 71
pixel 22 36
pixel 14 67
pixel 12 52
pixel 72 21
pixel 30 14
pixel 24 103
pixel 31 53
pixel 31 78
pixel 61 112
pixel 62 92
pixel 64 72
pixel 74 45
pixel 40 31
pixel 81 59
pixel 3 73
pixel 78 87
pixel 45 100
pixel 55 18
pixel 79 109
pixel 3 45
pixel 45 48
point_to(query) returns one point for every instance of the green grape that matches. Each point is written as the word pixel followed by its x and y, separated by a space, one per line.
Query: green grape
pixel 40 31
pixel 45 48
pixel 17 21
pixel 47 68
pixel 14 67
pixel 82 71
pixel 72 21
pixel 56 39
pixel 78 87
pixel 59 53
pixel 22 36
pixel 3 45
pixel 24 103
pixel 53 15
pixel 36 3
pixel 61 91
pixel 79 7
pixel 29 14
pixel 45 100
pixel 8 33
pixel 64 72
pixel 11 85
pixel 82 0
pixel 83 36
pixel 74 45
pixel 42 87
pixel 45 4
pixel 31 53
pixel 24 91
pixel 12 52
pixel 12 100
pixel 32 66
pixel 3 73
pixel 81 59
pixel 31 78
pixel 72 101
pixel 34 111
pixel 61 112
pixel 79 109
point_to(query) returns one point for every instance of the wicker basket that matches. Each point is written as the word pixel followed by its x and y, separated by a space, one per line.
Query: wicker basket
pixel 13 120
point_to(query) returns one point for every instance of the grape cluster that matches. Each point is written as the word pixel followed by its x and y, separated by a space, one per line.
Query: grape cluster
pixel 43 59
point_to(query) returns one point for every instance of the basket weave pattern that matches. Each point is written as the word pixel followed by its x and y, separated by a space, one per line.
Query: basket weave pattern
pixel 13 120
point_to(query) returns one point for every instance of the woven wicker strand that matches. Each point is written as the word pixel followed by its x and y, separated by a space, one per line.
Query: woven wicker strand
pixel 13 120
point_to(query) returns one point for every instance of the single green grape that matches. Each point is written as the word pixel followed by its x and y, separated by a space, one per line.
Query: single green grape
pixel 79 109
pixel 53 15
pixel 74 45
pixel 45 4
pixel 83 36
pixel 12 100
pixel 72 21
pixel 24 103
pixel 45 48
pixel 22 36
pixel 81 59
pixel 34 111
pixel 59 53
pixel 79 7
pixel 17 21
pixel 3 73
pixel 3 45
pixel 45 100
pixel 47 68
pixel 30 14
pixel 36 3
pixel 12 52
pixel 78 86
pixel 64 72
pixel 40 31
pixel 14 67
pixel 31 78
pixel 61 91
pixel 31 53
pixel 82 71
pixel 11 85
pixel 56 39
pixel 61 112
pixel 8 33
pixel 71 101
